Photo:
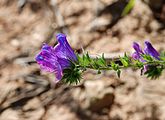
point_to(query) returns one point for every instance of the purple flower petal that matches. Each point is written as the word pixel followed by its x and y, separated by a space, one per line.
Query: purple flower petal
pixel 137 48
pixel 150 50
pixel 63 62
pixel 136 56
pixel 58 72
pixel 138 52
pixel 45 59
pixel 48 61
pixel 65 48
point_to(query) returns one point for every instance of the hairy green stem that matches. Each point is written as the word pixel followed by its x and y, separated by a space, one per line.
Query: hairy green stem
pixel 132 65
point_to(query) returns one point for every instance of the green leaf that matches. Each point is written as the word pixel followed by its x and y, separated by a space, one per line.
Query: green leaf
pixel 162 56
pixel 100 62
pixel 87 56
pixel 114 66
pixel 118 73
pixel 85 60
pixel 125 60
pixel 80 59
pixel 128 7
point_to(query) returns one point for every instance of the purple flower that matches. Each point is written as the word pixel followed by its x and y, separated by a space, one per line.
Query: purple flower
pixel 56 59
pixel 138 52
pixel 148 50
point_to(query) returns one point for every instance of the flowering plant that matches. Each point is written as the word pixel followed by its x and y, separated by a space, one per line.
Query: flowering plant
pixel 69 66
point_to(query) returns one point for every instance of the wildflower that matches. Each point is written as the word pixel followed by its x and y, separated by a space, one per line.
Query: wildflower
pixel 56 59
pixel 138 52
pixel 148 50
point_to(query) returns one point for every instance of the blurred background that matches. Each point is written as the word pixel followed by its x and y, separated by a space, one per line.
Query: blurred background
pixel 97 26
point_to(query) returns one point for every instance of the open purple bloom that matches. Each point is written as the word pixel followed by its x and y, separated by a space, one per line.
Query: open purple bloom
pixel 56 59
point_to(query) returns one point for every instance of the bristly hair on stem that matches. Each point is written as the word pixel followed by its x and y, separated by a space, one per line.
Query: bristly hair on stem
pixel 154 66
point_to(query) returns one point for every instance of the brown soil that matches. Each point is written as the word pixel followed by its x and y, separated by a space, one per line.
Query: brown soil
pixel 94 25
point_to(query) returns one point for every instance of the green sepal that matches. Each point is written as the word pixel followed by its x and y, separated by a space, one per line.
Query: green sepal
pixel 147 58
pixel 72 75
pixel 153 71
